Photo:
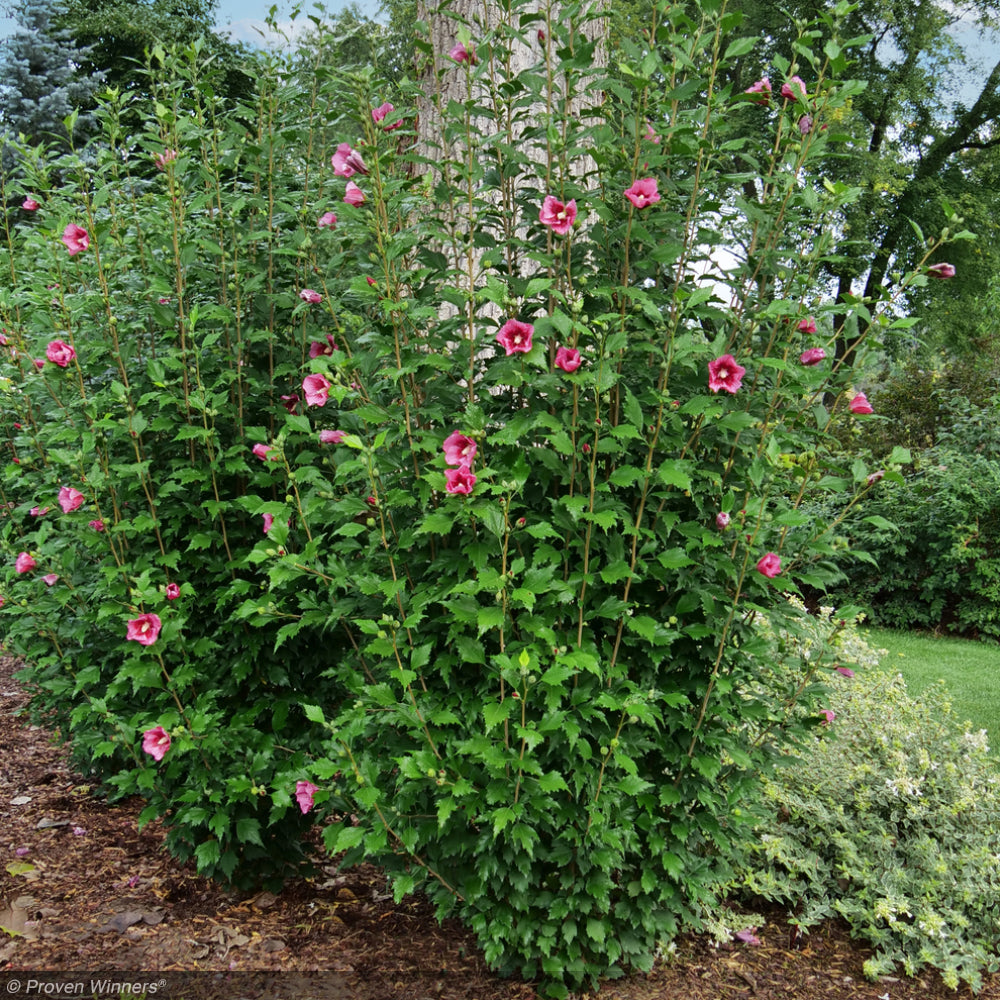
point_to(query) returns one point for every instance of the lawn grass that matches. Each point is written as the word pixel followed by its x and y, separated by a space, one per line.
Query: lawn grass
pixel 970 670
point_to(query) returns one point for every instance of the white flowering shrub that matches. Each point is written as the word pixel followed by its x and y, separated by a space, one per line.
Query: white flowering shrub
pixel 894 824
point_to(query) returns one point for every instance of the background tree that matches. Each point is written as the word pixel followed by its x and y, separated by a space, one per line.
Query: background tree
pixel 115 35
pixel 915 139
pixel 42 82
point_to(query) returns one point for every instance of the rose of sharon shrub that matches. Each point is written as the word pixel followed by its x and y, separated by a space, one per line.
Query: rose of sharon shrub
pixel 524 658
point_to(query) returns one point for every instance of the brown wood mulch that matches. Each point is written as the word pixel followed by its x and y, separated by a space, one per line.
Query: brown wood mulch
pixel 85 892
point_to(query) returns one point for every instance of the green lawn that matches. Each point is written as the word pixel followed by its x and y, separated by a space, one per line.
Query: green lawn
pixel 971 671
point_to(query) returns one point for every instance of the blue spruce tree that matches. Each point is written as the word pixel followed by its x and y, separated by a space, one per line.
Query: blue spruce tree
pixel 41 82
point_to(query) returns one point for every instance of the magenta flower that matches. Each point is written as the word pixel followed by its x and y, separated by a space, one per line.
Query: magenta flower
pixel 156 742
pixel 807 325
pixel 39 511
pixel 875 476
pixel 761 90
pixel 460 480
pixel 722 520
pixel 304 792
pixel 805 124
pixel 462 54
pixel 327 221
pixel 459 449
pixel 354 195
pixel 515 337
pixel 331 437
pixel 50 579
pixel 725 373
pixel 941 271
pixel 291 402
pixel 860 404
pixel 651 135
pixel 568 359
pixel 70 499
pixel 379 115
pixel 791 85
pixel 173 591
pixel 828 716
pixel 76 238
pixel 643 193
pixel 317 390
pixel 347 162
pixel 24 563
pixel 846 671
pixel 60 353
pixel 144 629
pixel 769 564
pixel 30 205
pixel 263 452
pixel 162 159
pixel 557 216
pixel 97 525
pixel 268 521
pixel 308 295
pixel 316 348
pixel 813 356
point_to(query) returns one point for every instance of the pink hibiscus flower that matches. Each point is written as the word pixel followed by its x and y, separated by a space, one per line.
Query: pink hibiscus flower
pixel 941 271
pixel 173 591
pixel 860 404
pixel 460 480
pixel 347 162
pixel 380 113
pixel 643 193
pixel 459 449
pixel 75 238
pixel 30 205
pixel 813 356
pixel 725 373
pixel 70 499
pixel 794 89
pixel 557 216
pixel 568 359
pixel 145 629
pixel 327 221
pixel 304 792
pixel 331 437
pixel 316 348
pixel 317 390
pixel 761 90
pixel 162 159
pixel 156 742
pixel 769 564
pixel 60 353
pixel 24 563
pixel 309 295
pixel 515 337
pixel 354 195
pixel 460 53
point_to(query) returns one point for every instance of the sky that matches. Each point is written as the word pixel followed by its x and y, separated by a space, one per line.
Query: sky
pixel 246 19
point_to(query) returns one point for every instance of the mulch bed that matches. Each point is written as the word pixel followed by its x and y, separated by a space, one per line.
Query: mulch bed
pixel 87 893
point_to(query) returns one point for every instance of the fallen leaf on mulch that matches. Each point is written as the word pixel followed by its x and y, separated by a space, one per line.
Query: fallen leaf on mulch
pixel 15 918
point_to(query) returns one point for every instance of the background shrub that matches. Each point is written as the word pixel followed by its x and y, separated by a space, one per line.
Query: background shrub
pixel 893 825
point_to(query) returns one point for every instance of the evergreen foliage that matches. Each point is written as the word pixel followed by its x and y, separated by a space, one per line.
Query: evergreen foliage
pixel 42 79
